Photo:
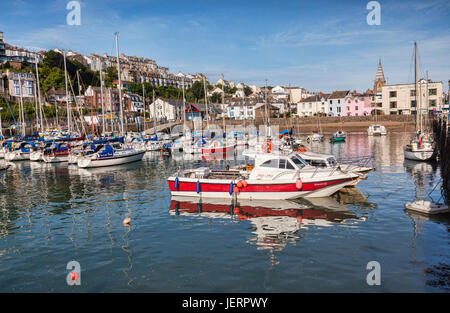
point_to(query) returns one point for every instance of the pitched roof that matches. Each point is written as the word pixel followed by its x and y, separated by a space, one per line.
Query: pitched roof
pixel 339 94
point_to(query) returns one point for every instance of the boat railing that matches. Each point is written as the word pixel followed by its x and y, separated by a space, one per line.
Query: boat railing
pixel 360 161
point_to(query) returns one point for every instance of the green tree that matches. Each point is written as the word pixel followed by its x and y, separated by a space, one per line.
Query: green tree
pixel 216 97
pixel 248 91
pixel 111 75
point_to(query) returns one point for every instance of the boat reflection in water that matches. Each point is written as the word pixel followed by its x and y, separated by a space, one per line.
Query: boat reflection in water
pixel 275 223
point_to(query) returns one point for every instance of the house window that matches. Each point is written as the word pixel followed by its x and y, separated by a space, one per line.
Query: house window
pixel 29 85
pixel 432 103
pixel 339 109
pixel 339 101
pixel 16 87
pixel 348 108
pixel 432 92
pixel 393 105
pixel 356 109
pixel 413 103
pixel 393 94
pixel 412 93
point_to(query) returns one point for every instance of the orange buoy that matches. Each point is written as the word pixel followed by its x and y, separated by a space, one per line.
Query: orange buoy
pixel 236 211
pixel 236 190
pixel 239 184
pixel 244 183
pixel 126 222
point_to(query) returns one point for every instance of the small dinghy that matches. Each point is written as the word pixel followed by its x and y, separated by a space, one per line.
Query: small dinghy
pixel 427 207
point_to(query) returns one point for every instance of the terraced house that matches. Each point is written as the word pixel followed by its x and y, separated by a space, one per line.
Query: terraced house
pixel 336 103
pixel 312 105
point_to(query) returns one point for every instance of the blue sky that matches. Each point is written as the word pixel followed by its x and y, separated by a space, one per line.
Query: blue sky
pixel 320 45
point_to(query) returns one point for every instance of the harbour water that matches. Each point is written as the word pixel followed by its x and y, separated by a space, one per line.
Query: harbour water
pixel 53 214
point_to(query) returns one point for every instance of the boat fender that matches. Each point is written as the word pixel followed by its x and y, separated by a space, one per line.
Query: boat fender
pixel 299 184
pixel 236 190
pixel 236 211
pixel 177 183
pixel 240 185
pixel 244 183
pixel 231 188
pixel 301 150
pixel 198 186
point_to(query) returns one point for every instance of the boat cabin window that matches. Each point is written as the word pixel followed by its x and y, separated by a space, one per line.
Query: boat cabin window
pixel 289 166
pixel 318 163
pixel 270 163
pixel 299 161
pixel 332 161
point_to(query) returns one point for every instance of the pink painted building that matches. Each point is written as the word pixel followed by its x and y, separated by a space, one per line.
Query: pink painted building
pixel 357 104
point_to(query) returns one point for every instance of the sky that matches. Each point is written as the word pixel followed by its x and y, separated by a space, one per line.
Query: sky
pixel 319 45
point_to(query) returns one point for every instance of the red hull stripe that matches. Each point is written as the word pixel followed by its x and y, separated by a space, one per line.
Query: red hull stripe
pixel 217 150
pixel 214 187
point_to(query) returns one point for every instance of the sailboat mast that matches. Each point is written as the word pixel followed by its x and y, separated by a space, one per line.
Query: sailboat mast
pixel 67 94
pixel 22 116
pixel 38 85
pixel 143 99
pixel 415 86
pixel 184 109
pixel 426 102
pixel 103 103
pixel 120 85
pixel 206 104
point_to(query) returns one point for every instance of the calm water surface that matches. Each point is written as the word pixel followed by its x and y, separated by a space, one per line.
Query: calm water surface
pixel 52 214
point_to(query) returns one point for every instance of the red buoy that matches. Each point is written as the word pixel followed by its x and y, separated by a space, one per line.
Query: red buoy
pixel 236 190
pixel 74 275
pixel 244 183
pixel 240 185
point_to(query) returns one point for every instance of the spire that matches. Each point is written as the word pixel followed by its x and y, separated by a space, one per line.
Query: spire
pixel 380 73
pixel 380 81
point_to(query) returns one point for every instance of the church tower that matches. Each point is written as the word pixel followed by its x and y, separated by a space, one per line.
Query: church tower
pixel 379 79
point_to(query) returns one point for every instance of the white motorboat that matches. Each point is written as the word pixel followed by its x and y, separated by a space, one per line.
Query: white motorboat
pixel 376 130
pixel 274 176
pixel 315 137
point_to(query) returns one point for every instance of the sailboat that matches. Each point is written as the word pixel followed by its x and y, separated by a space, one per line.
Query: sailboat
pixel 112 154
pixel 340 135
pixel 421 147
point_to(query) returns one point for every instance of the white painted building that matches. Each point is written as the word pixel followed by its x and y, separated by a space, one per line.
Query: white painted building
pixel 166 109
pixel 312 105
pixel 399 99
